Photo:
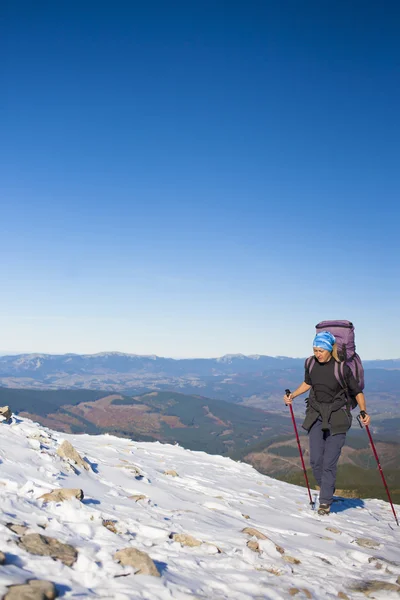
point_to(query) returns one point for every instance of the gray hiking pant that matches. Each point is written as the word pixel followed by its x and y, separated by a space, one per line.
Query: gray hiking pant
pixel 325 451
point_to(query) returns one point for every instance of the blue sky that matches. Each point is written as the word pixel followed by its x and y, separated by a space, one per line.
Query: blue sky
pixel 199 178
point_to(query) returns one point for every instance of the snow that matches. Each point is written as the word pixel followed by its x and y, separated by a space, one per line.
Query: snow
pixel 212 499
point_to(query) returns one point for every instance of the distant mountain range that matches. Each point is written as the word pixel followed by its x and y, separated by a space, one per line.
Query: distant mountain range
pixel 254 380
pixel 40 365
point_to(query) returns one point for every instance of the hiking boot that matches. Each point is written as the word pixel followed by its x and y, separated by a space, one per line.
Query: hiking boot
pixel 324 509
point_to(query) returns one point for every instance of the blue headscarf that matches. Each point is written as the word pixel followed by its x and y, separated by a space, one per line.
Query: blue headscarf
pixel 324 340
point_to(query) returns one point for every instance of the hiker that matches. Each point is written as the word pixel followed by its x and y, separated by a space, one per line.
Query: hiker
pixel 328 416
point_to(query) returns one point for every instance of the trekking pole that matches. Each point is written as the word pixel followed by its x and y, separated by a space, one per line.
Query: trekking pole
pixel 287 392
pixel 362 414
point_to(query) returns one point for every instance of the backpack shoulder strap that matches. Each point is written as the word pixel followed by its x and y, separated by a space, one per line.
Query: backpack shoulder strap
pixel 339 374
pixel 340 378
pixel 310 362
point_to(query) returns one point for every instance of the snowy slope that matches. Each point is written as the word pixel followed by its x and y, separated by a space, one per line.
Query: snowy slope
pixel 213 499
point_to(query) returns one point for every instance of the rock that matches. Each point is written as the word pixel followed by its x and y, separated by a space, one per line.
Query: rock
pixel 291 560
pixel 294 591
pixel 137 497
pixel 140 561
pixel 43 545
pixel 61 495
pixel 41 437
pixel 398 580
pixel 135 470
pixel 254 533
pixel 214 549
pixel 24 592
pixel 367 543
pixel 273 570
pixel 110 525
pixel 5 413
pixel 343 596
pixel 334 530
pixel 34 589
pixel 279 549
pixel 2 558
pixel 67 451
pixel 172 473
pixel 376 585
pixel 246 516
pixel 185 539
pixel 254 546
pixel 261 536
pixel 18 529
pixel 380 562
pixel 47 588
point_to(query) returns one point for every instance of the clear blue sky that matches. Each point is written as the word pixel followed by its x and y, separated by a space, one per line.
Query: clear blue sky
pixel 195 178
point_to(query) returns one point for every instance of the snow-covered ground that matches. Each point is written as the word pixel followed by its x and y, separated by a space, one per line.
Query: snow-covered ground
pixel 353 552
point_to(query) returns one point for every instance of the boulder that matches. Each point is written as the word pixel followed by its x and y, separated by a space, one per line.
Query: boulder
pixel 68 452
pixel 140 561
pixel 34 589
pixel 367 543
pixel 43 545
pixel 185 539
pixel 5 413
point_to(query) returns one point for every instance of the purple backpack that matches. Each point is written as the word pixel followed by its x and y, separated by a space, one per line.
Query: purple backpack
pixel 344 334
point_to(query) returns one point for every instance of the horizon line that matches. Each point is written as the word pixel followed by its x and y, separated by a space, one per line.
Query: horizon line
pixel 5 354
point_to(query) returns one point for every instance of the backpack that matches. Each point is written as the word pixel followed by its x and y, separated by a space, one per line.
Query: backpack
pixel 345 341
